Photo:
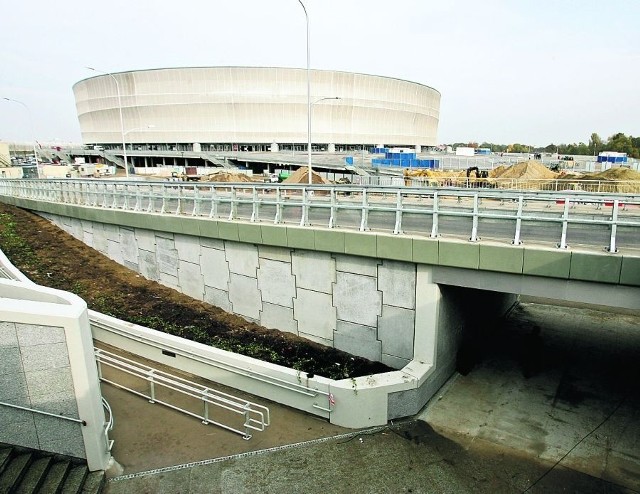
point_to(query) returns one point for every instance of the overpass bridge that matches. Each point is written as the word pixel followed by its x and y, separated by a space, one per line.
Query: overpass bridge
pixel 394 274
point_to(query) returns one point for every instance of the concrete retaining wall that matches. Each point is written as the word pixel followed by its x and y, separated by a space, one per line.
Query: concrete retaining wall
pixel 364 306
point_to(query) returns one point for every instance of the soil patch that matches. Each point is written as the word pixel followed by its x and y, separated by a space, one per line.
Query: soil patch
pixel 53 258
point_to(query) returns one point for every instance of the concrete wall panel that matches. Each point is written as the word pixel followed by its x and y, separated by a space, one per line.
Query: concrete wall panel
pixel 397 282
pixel 215 268
pixel 316 315
pixel 242 258
pixel 357 299
pixel 276 283
pixel 313 270
pixel 245 296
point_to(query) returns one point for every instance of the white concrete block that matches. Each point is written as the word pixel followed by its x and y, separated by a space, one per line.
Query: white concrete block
pixel 274 253
pixel 357 299
pixel 212 243
pixel 314 270
pixel 315 314
pixel 147 265
pixel 128 245
pixel 396 329
pixel 114 251
pixel 87 238
pixel 166 256
pixel 169 280
pixel 100 240
pixel 278 317
pixel 190 280
pixel 217 297
pixel 397 282
pixel 112 232
pixel 214 268
pixel 356 265
pixel 146 239
pixel 188 248
pixel 245 296
pixel 368 349
pixel 276 283
pixel 243 258
pixel 393 361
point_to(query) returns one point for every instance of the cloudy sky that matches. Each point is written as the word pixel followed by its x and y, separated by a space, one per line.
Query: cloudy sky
pixel 528 71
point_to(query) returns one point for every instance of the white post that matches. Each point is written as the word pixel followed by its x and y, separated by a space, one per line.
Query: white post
pixel 306 15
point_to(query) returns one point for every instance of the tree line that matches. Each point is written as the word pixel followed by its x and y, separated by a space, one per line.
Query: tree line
pixel 619 142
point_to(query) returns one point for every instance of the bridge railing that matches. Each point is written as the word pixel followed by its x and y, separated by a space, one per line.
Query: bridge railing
pixel 591 219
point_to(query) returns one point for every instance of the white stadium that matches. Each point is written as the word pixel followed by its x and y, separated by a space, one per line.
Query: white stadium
pixel 254 109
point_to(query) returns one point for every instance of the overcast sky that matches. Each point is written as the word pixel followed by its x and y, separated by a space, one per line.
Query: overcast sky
pixel 528 71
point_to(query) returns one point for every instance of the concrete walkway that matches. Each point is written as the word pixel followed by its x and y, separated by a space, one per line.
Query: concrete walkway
pixel 572 426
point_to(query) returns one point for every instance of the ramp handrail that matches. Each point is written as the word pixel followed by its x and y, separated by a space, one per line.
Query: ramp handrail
pixel 256 417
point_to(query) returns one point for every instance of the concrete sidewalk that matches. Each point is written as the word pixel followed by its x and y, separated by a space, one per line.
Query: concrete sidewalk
pixel 572 426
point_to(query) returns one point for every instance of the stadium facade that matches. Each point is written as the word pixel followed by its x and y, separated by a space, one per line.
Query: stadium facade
pixel 254 109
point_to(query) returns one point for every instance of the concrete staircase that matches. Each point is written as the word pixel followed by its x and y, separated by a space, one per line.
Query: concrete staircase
pixel 26 471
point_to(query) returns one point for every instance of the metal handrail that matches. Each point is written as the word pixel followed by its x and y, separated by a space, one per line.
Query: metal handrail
pixel 256 417
pixel 235 369
pixel 42 412
pixel 244 202
pixel 108 425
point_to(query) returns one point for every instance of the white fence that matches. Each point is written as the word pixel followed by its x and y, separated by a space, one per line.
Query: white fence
pixel 591 219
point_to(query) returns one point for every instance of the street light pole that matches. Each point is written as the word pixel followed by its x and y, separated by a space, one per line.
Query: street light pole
pixel 33 135
pixel 306 15
pixel 124 147
pixel 134 130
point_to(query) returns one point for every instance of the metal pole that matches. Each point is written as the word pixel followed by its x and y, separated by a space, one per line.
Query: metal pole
pixel 306 15
pixel 124 146
pixel 33 135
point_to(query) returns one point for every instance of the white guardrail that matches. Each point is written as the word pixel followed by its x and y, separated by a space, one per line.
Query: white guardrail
pixel 595 219
pixel 255 417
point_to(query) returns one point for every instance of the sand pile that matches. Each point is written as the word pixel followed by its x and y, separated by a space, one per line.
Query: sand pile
pixel 526 170
pixel 301 176
pixel 226 177
pixel 617 173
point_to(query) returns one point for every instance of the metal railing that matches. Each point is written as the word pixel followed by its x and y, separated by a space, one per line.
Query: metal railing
pixel 316 395
pixel 108 425
pixel 593 219
pixel 256 417
pixel 42 412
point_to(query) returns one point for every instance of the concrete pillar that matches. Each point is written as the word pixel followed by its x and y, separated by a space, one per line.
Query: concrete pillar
pixel 197 147
pixel 331 148
pixel 274 147
pixel 418 148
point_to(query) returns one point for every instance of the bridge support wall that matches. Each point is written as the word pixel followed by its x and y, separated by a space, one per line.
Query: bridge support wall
pixel 384 310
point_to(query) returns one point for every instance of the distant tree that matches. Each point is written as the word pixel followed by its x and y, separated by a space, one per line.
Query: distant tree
pixel 620 143
pixel 518 148
pixel 551 148
pixel 595 143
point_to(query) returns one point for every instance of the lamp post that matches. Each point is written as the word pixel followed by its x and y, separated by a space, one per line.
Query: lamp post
pixel 124 147
pixel 33 135
pixel 126 165
pixel 306 15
